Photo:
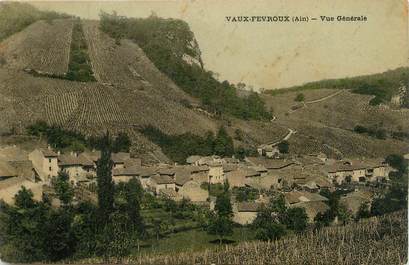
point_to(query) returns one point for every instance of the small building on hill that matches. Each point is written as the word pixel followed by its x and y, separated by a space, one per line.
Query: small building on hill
pixel 78 167
pixel 158 182
pixel 358 171
pixel 312 208
pixel 216 174
pixel 245 212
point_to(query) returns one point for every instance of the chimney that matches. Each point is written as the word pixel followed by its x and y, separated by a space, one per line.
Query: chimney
pixel 49 147
pixel 58 152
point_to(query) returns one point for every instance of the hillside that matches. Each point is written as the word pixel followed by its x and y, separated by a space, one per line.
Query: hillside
pixel 379 240
pixel 326 119
pixel 119 88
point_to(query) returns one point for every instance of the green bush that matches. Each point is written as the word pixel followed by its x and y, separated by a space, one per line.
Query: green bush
pixel 180 147
pixel 300 97
pixel 79 67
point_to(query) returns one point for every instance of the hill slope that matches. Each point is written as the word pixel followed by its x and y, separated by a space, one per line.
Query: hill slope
pixel 129 92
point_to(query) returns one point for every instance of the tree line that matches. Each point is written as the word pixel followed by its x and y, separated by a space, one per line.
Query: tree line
pixel 62 139
pixel 180 147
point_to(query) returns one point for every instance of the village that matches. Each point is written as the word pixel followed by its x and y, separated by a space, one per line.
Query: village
pixel 298 178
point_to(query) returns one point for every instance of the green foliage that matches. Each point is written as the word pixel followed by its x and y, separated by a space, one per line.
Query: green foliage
pixel 398 162
pixel 244 194
pixel 373 132
pixel 221 222
pixel 267 224
pixel 396 198
pixel 105 185
pixel 223 144
pixel 35 231
pixel 166 42
pixel 121 143
pixel 296 219
pixel 116 239
pixel 223 206
pixel 300 97
pixel 214 189
pixel 363 211
pixel 270 231
pixel 63 188
pixel 284 147
pixel 66 140
pixel 15 16
pixel 79 67
pixel 220 226
pixel 180 147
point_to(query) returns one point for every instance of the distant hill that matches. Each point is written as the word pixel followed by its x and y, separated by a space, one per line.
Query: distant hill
pixel 383 86
pixel 15 16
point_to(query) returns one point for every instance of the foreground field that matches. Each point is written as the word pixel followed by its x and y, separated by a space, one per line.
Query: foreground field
pixel 380 240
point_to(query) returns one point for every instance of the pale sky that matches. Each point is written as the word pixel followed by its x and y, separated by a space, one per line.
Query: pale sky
pixel 274 55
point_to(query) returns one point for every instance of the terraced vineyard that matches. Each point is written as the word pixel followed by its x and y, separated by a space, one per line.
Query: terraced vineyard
pixel 43 46
pixel 132 68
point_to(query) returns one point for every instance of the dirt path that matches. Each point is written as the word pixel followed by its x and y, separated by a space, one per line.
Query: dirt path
pixel 305 103
pixel 286 137
pixel 324 98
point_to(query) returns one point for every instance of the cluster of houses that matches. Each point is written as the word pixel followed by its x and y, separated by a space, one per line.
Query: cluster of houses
pixel 299 178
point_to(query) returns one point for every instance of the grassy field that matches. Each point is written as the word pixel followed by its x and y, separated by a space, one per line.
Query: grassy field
pixel 192 240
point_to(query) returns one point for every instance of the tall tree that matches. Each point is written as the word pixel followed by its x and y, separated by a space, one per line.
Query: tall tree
pixel 223 144
pixel 121 143
pixel 63 189
pixel 221 223
pixel 105 185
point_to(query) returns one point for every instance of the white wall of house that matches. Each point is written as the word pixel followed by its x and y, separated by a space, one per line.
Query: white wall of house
pixel 46 167
pixel 244 218
pixel 216 174
pixel 75 172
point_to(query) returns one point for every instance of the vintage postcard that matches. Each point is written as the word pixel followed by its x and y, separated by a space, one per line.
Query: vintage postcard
pixel 171 132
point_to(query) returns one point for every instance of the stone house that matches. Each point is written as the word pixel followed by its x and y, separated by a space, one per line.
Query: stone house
pixel 6 171
pixel 125 174
pixel 272 165
pixel 358 171
pixel 78 167
pixel 294 197
pixel 45 163
pixel 158 182
pixel 245 212
pixel 145 174
pixel 312 208
pixel 199 173
pixel 216 173
pixel 268 150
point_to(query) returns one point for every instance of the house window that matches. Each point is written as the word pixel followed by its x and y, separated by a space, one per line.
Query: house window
pixel 49 160
pixel 49 168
